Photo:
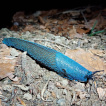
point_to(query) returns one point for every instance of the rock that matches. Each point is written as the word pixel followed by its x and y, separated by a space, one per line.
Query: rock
pixel 51 86
pixel 22 87
pixel 14 52
pixel 64 82
pixel 79 86
pixel 38 96
pixel 64 92
pixel 61 102
pixel 14 34
pixel 26 34
pixel 27 96
pixel 47 94
pixel 57 39
pixel 7 88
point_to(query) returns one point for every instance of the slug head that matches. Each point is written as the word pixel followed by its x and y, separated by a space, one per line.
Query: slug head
pixel 72 70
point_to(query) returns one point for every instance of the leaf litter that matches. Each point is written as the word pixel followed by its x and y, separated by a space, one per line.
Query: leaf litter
pixel 60 30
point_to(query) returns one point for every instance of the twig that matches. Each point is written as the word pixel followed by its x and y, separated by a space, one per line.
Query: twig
pixel 84 17
pixel 52 42
pixel 42 92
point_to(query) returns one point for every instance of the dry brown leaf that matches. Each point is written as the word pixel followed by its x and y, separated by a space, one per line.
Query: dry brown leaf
pixel 101 23
pixel 7 63
pixel 6 69
pixel 29 28
pixel 72 32
pixel 87 59
pixel 14 27
pixel 41 20
pixel 19 16
pixel 81 31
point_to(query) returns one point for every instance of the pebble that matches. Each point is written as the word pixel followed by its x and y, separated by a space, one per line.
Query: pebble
pixel 51 86
pixel 58 40
pixel 80 86
pixel 14 52
pixel 27 96
pixel 64 92
pixel 64 82
pixel 7 88
pixel 26 34
pixel 47 94
pixel 38 96
pixel 14 34
pixel 61 102
pixel 22 87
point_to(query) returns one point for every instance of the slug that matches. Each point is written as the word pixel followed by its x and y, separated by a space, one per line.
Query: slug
pixel 52 59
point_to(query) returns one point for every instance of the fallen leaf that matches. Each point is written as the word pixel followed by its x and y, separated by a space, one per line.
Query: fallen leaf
pixel 29 28
pixel 41 20
pixel 6 69
pixel 14 27
pixel 87 59
pixel 18 16
pixel 82 31
pixel 72 32
pixel 101 23
pixel 7 63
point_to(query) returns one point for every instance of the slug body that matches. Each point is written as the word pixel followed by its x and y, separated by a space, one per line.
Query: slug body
pixel 52 59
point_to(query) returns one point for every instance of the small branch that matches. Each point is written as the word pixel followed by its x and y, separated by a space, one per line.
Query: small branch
pixel 42 92
pixel 84 17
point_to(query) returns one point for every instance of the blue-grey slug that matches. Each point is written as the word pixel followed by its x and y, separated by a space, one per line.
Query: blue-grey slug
pixel 52 59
